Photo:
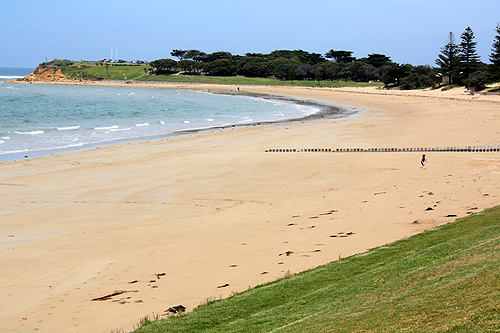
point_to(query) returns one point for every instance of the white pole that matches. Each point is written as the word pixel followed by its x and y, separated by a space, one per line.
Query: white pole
pixel 116 53
pixel 111 53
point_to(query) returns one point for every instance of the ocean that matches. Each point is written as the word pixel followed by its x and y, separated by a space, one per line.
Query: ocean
pixel 42 119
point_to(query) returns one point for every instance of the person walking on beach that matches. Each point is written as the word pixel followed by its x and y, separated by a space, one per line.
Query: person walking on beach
pixel 423 161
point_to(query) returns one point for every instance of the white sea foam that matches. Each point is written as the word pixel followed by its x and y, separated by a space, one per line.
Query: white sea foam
pixel 29 133
pixel 247 120
pixel 94 121
pixel 2 141
pixel 106 128
pixel 10 77
pixel 69 128
pixel 119 129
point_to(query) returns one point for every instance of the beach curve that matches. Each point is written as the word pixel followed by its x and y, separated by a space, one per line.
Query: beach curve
pixel 216 214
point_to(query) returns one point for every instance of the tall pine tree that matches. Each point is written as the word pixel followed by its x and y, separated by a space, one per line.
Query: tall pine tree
pixel 495 55
pixel 469 59
pixel 449 60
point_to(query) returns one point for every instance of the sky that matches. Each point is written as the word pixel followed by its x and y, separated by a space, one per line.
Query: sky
pixel 408 31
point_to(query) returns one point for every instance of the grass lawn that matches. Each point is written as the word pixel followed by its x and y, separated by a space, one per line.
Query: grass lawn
pixel 120 72
pixel 443 280
pixel 116 72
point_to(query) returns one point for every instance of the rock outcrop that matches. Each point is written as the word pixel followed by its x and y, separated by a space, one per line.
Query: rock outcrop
pixel 49 73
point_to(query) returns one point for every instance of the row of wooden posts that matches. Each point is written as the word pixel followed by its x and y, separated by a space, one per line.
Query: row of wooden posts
pixel 419 149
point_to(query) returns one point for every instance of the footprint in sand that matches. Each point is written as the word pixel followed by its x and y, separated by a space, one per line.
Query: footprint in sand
pixel 341 234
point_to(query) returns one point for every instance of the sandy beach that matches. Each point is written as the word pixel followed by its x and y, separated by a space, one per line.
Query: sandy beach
pixel 185 219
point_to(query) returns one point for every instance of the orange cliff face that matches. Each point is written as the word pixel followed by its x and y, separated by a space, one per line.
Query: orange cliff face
pixel 45 73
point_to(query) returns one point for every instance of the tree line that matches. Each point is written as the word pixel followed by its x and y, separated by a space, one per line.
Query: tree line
pixel 456 63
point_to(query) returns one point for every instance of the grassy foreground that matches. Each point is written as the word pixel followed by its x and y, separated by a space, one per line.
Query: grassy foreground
pixel 137 73
pixel 443 280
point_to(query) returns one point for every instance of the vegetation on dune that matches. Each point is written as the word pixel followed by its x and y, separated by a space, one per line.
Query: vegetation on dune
pixel 445 279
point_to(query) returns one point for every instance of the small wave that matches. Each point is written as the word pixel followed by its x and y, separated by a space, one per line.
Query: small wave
pixel 120 129
pixel 10 77
pixel 5 137
pixel 106 128
pixel 247 120
pixel 29 133
pixel 1 142
pixel 210 119
pixel 161 122
pixel 186 122
pixel 69 128
pixel 143 124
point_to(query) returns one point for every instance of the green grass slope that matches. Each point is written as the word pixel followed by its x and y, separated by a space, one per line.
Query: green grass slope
pixel 443 280
pixel 118 72
pixel 137 73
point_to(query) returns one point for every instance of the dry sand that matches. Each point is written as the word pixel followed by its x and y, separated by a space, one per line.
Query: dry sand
pixel 217 214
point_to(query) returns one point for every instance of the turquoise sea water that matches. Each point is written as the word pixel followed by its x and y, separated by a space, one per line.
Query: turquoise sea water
pixel 38 118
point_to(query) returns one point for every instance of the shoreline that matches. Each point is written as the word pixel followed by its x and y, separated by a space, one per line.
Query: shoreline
pixel 325 111
pixel 217 215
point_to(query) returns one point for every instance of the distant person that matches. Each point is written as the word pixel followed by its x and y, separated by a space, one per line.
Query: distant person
pixel 422 161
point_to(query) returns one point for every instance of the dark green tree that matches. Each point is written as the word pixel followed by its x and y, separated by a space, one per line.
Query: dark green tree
pixel 394 73
pixel 189 66
pixel 468 55
pixel 256 55
pixel 195 55
pixel 495 55
pixel 179 54
pixel 162 66
pixel 298 55
pixel 280 67
pixel 378 60
pixel 449 60
pixel 418 77
pixel 291 75
pixel 221 67
pixel 340 56
pixel 331 70
pixel 253 67
pixel 218 55
pixel 476 81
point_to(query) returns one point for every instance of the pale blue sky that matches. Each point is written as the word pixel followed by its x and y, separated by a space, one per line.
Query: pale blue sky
pixel 408 31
